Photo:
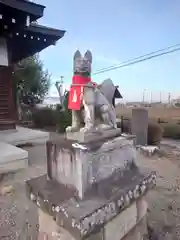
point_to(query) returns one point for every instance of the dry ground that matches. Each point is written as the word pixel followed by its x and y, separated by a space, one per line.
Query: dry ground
pixel 18 216
pixel 165 113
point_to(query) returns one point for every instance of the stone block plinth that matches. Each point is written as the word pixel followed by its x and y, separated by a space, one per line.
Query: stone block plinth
pixel 82 166
pixel 126 226
pixel 114 210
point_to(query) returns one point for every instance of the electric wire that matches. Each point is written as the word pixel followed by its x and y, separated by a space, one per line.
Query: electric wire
pixel 139 59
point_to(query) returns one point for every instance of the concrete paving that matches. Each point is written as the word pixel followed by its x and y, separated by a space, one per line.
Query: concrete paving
pixel 12 158
pixel 23 136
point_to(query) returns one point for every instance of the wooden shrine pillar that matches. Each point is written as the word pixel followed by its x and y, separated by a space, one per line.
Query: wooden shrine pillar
pixel 7 105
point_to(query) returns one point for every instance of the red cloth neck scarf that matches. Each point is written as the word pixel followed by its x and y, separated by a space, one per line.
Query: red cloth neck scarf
pixel 80 80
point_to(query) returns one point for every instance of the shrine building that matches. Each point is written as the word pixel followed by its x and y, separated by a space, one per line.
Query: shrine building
pixel 20 37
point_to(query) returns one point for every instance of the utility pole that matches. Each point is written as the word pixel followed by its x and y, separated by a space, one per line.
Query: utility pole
pixel 59 86
pixel 160 97
pixel 143 97
pixel 169 98
pixel 151 97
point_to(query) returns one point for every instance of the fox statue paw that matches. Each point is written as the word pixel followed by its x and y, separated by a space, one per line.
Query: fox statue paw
pixel 88 129
pixel 72 129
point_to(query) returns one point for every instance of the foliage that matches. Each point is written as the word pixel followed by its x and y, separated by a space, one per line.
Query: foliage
pixel 155 133
pixel 171 130
pixel 31 78
pixel 64 117
pixel 126 125
pixel 49 117
pixel 64 120
pixel 44 117
pixel 177 104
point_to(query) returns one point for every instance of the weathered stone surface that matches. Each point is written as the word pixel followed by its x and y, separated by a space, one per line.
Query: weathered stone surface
pixel 106 200
pixel 56 232
pixel 6 190
pixel 48 229
pixel 142 206
pixel 139 125
pixel 139 232
pixel 81 165
pixel 122 224
pixel 130 224
pixel 125 226
pixel 94 136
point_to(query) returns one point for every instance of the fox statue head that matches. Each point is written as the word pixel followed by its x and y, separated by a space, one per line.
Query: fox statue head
pixel 82 65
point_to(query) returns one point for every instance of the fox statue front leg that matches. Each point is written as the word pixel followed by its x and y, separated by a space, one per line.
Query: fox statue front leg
pixel 88 118
pixel 75 122
pixel 89 109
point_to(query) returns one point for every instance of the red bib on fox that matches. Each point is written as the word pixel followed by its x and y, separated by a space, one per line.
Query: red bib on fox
pixel 76 92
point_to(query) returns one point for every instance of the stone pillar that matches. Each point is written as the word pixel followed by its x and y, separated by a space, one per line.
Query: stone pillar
pixel 139 125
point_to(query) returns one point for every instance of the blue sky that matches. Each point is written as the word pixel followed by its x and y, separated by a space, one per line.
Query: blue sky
pixel 115 31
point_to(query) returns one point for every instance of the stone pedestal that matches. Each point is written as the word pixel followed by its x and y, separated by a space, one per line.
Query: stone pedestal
pixel 81 166
pixel 139 125
pixel 92 191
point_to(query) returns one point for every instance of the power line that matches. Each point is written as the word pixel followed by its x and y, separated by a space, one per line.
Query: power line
pixel 139 59
pixel 145 55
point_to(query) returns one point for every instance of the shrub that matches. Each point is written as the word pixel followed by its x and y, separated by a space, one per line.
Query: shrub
pixel 44 117
pixel 155 133
pixel 63 121
pixel 171 130
pixel 126 126
pixel 160 120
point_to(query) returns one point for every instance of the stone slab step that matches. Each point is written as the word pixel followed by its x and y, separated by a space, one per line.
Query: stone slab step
pixel 24 136
pixel 12 158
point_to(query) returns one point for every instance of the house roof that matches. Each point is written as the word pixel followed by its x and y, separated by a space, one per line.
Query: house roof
pixel 34 10
pixel 25 38
pixel 31 40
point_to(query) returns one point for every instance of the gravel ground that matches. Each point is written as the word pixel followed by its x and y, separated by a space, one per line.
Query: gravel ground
pixel 18 216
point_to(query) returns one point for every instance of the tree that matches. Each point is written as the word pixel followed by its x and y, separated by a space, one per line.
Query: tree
pixel 31 79
pixel 31 82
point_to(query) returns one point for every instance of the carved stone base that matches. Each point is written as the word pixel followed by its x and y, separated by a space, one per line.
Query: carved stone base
pixel 130 224
pixel 95 136
pixel 111 204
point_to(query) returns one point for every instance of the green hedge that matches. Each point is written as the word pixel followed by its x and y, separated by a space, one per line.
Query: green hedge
pixel 49 117
pixel 171 130
pixel 155 133
pixel 45 117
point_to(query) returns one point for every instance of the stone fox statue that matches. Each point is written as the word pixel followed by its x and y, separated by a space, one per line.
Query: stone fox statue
pixel 87 100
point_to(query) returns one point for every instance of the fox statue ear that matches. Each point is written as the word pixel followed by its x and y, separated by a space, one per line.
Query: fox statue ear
pixel 88 56
pixel 77 55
